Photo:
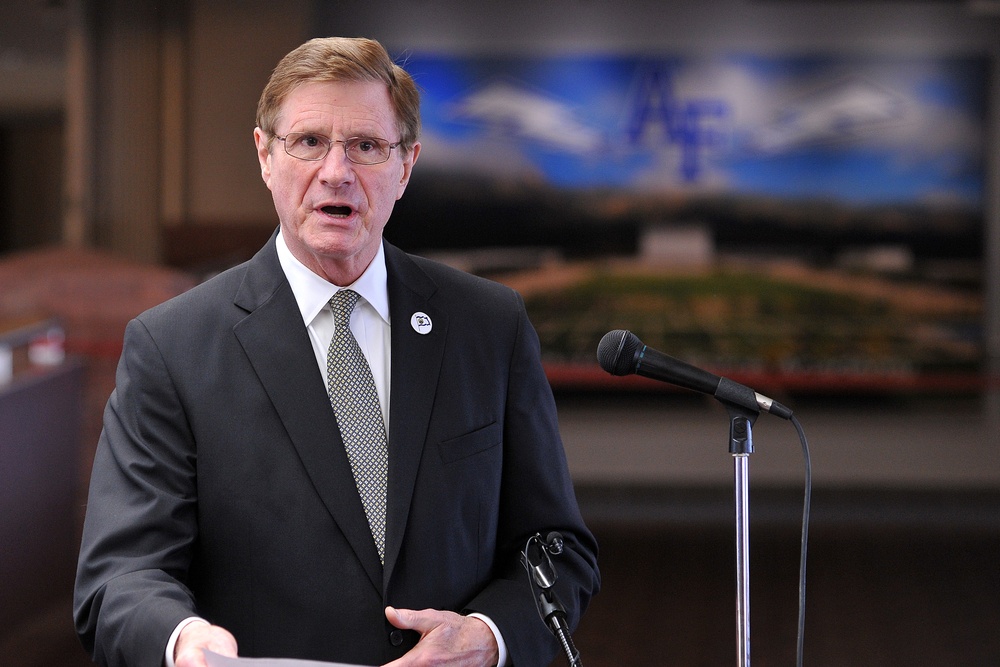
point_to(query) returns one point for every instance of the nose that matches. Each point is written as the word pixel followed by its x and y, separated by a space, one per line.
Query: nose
pixel 335 169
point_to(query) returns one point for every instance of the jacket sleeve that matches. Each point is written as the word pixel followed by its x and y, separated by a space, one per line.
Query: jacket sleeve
pixel 536 497
pixel 141 516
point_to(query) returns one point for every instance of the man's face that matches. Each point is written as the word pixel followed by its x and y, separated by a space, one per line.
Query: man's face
pixel 332 211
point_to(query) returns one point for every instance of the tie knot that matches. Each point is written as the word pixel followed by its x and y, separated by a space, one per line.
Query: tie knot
pixel 342 303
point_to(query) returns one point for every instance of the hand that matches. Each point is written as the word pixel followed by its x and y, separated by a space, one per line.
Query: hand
pixel 446 639
pixel 197 636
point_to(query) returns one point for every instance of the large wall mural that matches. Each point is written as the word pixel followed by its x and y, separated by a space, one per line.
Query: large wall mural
pixel 806 223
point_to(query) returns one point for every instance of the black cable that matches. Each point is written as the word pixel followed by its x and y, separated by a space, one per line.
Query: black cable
pixel 806 501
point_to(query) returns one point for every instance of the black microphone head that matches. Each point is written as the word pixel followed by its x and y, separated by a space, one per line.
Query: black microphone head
pixel 554 543
pixel 617 352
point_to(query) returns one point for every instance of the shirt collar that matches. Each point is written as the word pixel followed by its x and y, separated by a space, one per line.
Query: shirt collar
pixel 312 293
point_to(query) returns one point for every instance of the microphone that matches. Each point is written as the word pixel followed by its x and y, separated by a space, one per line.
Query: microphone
pixel 554 543
pixel 540 566
pixel 622 353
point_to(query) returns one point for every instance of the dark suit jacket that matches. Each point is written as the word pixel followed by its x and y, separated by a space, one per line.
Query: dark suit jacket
pixel 221 487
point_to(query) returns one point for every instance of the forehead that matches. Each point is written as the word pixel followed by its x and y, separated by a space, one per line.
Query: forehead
pixel 338 106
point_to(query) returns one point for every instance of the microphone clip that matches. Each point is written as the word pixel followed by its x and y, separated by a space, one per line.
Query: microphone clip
pixel 537 560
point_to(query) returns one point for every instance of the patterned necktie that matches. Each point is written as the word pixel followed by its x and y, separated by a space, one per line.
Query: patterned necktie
pixel 355 403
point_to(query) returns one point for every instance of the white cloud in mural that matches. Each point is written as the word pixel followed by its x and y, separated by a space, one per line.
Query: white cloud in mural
pixel 877 110
pixel 844 110
pixel 504 159
pixel 530 116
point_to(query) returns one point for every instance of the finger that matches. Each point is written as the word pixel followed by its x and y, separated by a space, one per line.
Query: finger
pixel 409 619
pixel 446 638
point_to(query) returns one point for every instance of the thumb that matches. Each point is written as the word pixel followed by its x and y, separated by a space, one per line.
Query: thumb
pixel 408 619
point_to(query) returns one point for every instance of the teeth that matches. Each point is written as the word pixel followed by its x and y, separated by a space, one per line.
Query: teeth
pixel 340 211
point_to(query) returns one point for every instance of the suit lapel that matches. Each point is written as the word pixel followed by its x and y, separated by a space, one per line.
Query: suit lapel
pixel 277 346
pixel 416 363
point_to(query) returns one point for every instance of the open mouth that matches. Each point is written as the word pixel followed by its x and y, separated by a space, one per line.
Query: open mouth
pixel 337 211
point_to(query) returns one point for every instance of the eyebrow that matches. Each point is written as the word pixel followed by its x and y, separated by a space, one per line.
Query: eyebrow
pixel 361 135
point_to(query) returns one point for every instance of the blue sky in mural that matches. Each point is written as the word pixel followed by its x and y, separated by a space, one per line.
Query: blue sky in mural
pixel 862 131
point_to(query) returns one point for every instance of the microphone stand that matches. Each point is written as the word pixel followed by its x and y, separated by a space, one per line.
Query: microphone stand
pixel 554 613
pixel 741 421
pixel 622 353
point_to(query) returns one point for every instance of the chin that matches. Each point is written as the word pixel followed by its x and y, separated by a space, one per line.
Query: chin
pixel 331 240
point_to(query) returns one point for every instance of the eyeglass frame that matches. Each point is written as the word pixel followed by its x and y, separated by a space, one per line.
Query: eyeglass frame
pixel 329 147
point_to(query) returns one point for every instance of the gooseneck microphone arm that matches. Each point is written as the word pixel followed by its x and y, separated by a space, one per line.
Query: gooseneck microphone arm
pixel 622 353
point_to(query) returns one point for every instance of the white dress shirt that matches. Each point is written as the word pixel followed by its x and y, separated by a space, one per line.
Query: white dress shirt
pixel 369 319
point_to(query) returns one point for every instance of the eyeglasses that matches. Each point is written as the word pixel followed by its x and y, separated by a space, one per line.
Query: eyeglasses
pixel 359 150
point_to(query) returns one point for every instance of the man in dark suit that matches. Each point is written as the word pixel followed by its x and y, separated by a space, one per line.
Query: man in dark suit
pixel 225 511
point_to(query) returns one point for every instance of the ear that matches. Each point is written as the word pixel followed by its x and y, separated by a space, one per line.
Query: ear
pixel 263 155
pixel 408 162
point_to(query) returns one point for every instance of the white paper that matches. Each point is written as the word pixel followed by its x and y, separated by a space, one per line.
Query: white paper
pixel 216 660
